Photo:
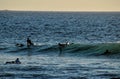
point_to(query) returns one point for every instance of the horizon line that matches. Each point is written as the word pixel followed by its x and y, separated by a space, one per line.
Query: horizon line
pixel 57 11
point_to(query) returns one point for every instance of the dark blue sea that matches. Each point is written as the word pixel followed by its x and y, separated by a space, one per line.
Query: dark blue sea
pixel 89 35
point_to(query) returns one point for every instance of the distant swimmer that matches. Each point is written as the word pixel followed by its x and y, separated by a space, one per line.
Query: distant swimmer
pixel 29 42
pixel 17 61
pixel 107 52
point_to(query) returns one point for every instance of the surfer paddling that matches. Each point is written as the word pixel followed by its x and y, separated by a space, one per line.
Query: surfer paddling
pixel 17 61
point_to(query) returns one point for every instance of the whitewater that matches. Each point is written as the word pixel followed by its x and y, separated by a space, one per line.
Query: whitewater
pixel 89 35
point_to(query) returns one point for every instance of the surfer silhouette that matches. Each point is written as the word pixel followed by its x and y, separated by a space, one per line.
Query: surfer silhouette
pixel 61 46
pixel 17 61
pixel 29 42
pixel 107 52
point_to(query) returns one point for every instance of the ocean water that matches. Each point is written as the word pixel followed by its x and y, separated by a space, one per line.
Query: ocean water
pixel 90 34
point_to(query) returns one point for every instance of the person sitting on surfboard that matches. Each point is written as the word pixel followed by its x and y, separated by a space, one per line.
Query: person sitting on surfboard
pixel 29 42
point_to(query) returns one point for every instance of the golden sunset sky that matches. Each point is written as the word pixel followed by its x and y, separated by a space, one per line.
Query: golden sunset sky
pixel 60 5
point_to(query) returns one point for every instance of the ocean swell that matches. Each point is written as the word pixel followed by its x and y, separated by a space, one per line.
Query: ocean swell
pixel 72 49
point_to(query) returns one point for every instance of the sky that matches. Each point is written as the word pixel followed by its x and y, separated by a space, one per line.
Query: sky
pixel 60 5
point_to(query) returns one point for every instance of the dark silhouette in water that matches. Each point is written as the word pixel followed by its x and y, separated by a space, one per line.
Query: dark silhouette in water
pixel 17 61
pixel 29 42
pixel 107 52
pixel 61 47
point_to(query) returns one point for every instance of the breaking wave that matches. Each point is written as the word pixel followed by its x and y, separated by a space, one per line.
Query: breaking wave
pixel 72 49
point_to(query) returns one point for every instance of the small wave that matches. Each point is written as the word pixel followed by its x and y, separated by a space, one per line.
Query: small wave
pixel 87 49
pixel 79 49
